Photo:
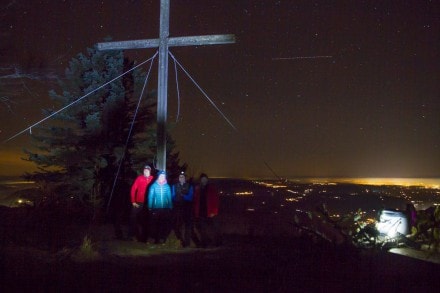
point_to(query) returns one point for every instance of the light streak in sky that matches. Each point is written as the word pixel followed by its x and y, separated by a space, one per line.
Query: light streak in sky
pixel 300 57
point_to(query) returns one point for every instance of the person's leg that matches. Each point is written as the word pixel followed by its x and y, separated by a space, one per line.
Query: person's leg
pixel 167 221
pixel 187 233
pixel 204 232
pixel 161 226
pixel 177 223
pixel 195 232
pixel 144 225
pixel 216 231
pixel 154 226
pixel 139 223
pixel 187 223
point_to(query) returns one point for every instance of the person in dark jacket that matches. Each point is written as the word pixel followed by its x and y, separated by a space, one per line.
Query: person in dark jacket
pixel 159 207
pixel 138 215
pixel 182 194
pixel 206 209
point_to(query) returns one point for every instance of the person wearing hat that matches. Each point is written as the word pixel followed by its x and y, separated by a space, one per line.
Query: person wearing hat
pixel 206 208
pixel 138 227
pixel 182 194
pixel 159 206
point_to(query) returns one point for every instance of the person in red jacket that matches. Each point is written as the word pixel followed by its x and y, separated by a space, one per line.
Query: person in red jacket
pixel 138 214
pixel 206 208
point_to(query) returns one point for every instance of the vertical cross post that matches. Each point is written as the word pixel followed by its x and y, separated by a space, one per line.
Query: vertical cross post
pixel 163 43
pixel 162 84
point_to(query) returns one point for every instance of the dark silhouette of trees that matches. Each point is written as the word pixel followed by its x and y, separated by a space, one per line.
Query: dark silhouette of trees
pixel 78 151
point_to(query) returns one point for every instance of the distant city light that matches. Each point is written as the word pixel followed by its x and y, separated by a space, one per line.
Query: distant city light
pixel 244 193
pixel 292 199
pixel 272 185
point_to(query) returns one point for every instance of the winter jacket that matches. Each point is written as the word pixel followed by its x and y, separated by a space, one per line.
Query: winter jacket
pixel 212 201
pixel 182 193
pixel 159 196
pixel 140 188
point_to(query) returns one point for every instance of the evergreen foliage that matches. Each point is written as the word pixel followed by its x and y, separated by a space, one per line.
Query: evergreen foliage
pixel 78 151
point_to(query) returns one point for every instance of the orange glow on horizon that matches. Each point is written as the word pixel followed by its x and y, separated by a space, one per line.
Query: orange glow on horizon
pixel 12 164
pixel 433 183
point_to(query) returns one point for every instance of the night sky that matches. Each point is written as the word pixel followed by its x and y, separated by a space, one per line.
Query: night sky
pixel 313 88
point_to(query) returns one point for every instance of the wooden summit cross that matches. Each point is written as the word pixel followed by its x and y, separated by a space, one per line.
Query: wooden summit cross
pixel 163 43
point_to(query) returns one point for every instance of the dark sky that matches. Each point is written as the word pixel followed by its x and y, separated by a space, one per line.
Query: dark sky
pixel 314 88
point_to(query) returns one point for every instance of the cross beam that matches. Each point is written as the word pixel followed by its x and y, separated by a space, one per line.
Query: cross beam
pixel 172 42
pixel 163 42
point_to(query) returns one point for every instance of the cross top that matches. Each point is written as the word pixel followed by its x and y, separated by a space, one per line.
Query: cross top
pixel 163 43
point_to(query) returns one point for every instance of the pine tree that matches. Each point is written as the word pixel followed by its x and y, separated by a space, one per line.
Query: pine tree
pixel 79 150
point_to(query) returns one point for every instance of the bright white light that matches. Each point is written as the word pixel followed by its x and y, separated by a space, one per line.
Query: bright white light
pixel 391 223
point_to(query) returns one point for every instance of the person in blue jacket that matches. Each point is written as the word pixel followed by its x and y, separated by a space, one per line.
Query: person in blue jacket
pixel 182 194
pixel 160 206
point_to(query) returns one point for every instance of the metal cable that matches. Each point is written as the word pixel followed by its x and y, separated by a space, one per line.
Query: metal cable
pixel 129 132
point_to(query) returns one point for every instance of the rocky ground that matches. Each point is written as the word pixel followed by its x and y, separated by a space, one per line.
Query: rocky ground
pixel 51 256
pixel 243 263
